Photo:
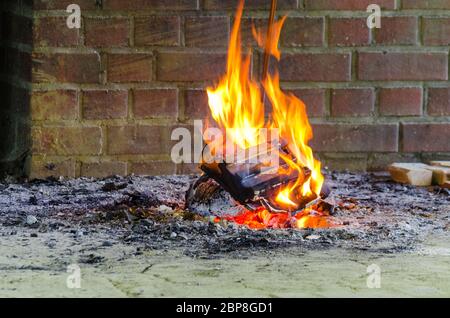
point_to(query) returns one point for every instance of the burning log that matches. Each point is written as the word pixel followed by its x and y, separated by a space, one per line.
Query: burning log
pixel 257 184
pixel 207 198
pixel 246 192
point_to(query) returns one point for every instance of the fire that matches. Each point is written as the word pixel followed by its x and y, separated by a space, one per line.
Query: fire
pixel 262 219
pixel 237 106
pixel 236 102
pixel 283 197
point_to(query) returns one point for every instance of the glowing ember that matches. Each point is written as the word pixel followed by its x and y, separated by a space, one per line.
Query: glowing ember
pixel 236 104
pixel 262 219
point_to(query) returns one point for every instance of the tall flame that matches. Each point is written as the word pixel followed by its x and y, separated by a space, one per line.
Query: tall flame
pixel 236 102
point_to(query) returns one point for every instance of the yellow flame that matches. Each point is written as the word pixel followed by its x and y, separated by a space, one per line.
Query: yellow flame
pixel 270 45
pixel 283 197
pixel 289 116
pixel 236 102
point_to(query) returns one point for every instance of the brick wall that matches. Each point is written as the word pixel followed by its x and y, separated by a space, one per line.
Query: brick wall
pixel 106 97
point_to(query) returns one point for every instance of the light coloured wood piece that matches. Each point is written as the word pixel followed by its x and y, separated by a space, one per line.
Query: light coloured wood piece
pixel 411 173
pixel 440 163
pixel 440 174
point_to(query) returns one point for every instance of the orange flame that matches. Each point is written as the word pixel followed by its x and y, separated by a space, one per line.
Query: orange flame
pixel 236 102
pixel 270 45
pixel 262 219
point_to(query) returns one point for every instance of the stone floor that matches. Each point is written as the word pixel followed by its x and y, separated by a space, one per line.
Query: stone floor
pixel 133 237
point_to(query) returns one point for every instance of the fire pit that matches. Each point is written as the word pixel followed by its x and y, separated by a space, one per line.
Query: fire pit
pixel 276 179
pixel 372 213
pixel 263 175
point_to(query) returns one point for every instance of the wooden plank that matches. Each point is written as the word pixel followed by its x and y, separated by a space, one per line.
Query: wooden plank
pixel 446 185
pixel 440 174
pixel 440 163
pixel 411 173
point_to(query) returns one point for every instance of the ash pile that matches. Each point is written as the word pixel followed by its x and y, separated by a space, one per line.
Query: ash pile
pixel 371 213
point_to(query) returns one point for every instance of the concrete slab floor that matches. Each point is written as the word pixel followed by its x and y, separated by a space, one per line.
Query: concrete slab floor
pixel 34 270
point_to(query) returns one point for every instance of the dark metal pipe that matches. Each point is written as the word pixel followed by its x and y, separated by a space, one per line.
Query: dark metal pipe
pixel 273 8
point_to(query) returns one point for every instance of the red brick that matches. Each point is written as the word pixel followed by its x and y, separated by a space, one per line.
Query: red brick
pixel 193 131
pixel 326 67
pixel 188 169
pixel 425 4
pixel 53 31
pixel 196 104
pixel 347 4
pixel 247 24
pixel 207 31
pixel 439 101
pixel 54 105
pixel 355 138
pixel 297 31
pixel 129 68
pixel 348 32
pixel 105 104
pixel 63 4
pixel 184 66
pixel 249 4
pixel 436 31
pixel 70 68
pixel 42 168
pixel 139 5
pixel 426 137
pixel 157 31
pixel 397 30
pixel 314 99
pixel 401 101
pixel 153 103
pixel 352 102
pixel 343 161
pixel 107 32
pixel 152 168
pixel 380 161
pixel 103 169
pixel 136 140
pixel 303 32
pixel 402 66
pixel 67 140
